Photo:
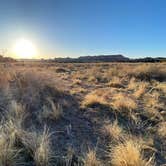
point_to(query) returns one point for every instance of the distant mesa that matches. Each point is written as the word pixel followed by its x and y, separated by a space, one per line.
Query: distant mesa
pixel 107 58
pixel 96 58
pixel 104 58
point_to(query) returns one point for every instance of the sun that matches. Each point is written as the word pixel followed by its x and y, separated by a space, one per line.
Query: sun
pixel 25 49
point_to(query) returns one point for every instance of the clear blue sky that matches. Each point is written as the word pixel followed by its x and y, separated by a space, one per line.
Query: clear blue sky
pixel 135 28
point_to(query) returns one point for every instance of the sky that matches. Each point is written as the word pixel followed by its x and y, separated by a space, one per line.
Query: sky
pixel 62 28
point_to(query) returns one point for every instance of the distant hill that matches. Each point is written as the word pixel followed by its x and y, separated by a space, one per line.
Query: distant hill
pixel 6 59
pixel 104 58
pixel 98 58
pixel 149 59
pixel 107 58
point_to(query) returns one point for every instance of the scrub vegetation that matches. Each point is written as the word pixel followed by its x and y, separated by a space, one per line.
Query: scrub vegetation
pixel 76 114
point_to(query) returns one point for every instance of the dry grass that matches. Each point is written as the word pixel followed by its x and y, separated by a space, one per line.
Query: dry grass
pixel 149 72
pixel 78 91
pixel 91 159
pixel 116 82
pixel 141 89
pixel 124 103
pixel 43 153
pixel 101 96
pixel 9 155
pixel 152 105
pixel 77 81
pixel 128 153
pixel 162 87
pixel 162 130
pixel 52 111
pixel 16 110
pixel 14 123
pixel 121 102
pixel 61 70
pixel 37 146
pixel 113 130
pixel 10 136
pixel 93 99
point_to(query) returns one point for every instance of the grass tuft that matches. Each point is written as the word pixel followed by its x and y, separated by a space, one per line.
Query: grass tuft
pixel 128 153
pixel 91 159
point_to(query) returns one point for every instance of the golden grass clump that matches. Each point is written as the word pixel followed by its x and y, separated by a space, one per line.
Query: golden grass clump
pixel 128 153
pixel 113 71
pixel 14 130
pixel 92 78
pixel 93 99
pixel 152 105
pixel 101 96
pixel 113 130
pixel 11 134
pixel 161 86
pixel 77 82
pixel 38 145
pixel 43 153
pixel 17 110
pixel 116 82
pixel 141 89
pixel 52 111
pixel 162 129
pixel 14 122
pixel 123 103
pixel 91 159
pixel 78 90
pixel 9 155
pixel 132 85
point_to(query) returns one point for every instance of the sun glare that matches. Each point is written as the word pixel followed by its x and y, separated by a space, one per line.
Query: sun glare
pixel 24 49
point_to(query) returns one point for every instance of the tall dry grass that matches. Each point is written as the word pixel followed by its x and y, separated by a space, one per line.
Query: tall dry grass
pixel 91 159
pixel 33 95
pixel 129 153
